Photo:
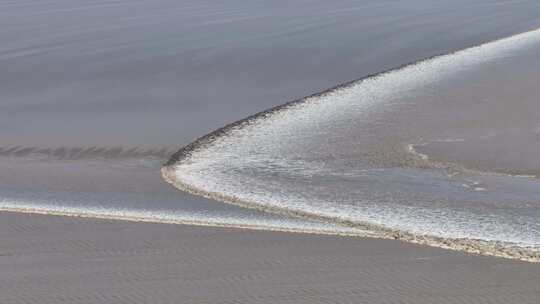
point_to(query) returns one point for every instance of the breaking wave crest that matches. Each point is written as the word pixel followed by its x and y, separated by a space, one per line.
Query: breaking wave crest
pixel 344 156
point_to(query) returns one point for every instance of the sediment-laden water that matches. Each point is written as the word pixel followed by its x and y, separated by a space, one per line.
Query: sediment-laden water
pixel 95 97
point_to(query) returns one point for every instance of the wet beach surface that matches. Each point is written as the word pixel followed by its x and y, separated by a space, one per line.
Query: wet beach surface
pixel 50 259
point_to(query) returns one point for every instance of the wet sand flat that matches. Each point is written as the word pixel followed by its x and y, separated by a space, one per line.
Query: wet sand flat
pixel 51 259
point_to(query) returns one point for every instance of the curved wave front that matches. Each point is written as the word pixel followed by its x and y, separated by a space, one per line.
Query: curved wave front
pixel 344 155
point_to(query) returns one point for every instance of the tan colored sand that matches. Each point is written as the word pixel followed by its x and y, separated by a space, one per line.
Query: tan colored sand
pixel 52 259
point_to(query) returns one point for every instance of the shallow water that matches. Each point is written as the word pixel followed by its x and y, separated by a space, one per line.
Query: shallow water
pixel 94 97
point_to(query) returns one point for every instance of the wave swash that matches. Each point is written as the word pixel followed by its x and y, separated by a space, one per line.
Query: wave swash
pixel 348 156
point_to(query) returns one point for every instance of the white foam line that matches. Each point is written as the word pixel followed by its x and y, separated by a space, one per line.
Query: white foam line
pixel 193 171
pixel 475 246
pixel 149 216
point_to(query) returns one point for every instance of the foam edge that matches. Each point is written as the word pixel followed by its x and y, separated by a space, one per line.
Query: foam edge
pixel 368 230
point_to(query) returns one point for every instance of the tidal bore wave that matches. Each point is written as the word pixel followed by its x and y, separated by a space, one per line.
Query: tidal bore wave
pixel 344 155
